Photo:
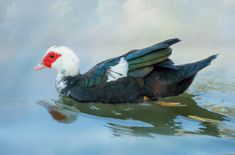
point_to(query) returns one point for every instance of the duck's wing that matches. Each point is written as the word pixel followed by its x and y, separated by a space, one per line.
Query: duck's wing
pixel 136 63
pixel 151 55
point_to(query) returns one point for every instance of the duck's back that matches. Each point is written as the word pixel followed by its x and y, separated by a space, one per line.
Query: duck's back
pixel 128 78
pixel 161 82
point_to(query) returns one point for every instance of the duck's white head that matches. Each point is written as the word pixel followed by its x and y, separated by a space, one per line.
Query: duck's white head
pixel 62 59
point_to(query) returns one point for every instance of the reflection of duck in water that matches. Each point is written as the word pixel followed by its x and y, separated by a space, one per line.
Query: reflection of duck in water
pixel 143 119
pixel 127 78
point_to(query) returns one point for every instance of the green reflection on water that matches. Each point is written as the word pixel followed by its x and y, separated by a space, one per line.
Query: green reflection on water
pixel 145 119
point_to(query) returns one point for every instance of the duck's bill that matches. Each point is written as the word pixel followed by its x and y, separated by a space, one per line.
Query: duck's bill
pixel 39 67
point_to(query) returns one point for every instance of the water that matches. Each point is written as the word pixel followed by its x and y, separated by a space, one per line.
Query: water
pixel 201 121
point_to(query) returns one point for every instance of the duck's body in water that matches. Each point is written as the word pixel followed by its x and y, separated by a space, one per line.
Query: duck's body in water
pixel 128 78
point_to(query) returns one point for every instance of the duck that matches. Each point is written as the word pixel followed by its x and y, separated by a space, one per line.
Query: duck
pixel 136 76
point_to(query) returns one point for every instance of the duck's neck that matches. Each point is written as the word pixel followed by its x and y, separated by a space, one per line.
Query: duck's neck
pixel 62 84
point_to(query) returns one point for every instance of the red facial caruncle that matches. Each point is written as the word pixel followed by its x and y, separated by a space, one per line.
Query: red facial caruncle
pixel 50 58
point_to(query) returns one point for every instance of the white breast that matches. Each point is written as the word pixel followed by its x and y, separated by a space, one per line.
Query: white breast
pixel 118 71
pixel 60 83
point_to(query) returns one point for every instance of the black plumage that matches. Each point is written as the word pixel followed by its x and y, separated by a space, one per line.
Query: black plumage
pixel 150 73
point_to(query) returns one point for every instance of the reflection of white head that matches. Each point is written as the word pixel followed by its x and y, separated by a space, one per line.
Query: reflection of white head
pixel 62 59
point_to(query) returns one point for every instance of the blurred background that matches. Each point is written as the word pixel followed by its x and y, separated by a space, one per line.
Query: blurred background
pixel 97 30
pixel 100 29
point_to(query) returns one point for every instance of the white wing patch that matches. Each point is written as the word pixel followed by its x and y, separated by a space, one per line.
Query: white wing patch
pixel 118 71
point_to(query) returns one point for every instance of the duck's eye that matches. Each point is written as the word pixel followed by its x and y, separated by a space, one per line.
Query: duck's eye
pixel 52 56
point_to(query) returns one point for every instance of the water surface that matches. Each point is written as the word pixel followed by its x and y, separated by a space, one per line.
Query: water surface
pixel 201 121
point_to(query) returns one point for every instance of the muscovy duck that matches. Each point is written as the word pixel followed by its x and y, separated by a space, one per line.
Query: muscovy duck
pixel 138 74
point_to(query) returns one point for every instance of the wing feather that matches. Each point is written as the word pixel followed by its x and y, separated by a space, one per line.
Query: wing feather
pixel 140 63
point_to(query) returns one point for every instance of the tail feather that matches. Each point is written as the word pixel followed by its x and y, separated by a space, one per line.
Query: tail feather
pixel 164 82
pixel 205 62
pixel 191 69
